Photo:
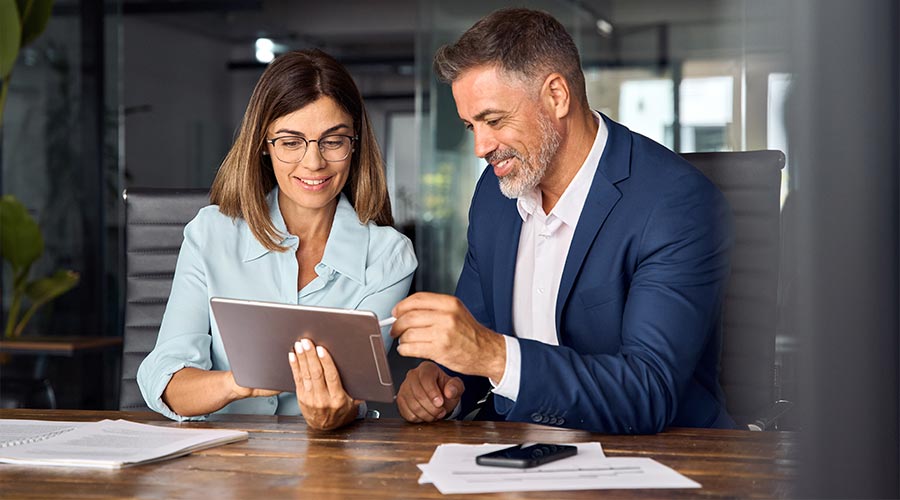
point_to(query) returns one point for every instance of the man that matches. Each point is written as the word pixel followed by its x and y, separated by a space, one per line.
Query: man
pixel 592 287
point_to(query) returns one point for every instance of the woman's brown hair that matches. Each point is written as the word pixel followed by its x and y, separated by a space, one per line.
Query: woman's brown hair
pixel 292 81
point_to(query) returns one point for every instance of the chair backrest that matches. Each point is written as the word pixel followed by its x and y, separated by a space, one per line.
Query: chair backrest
pixel 154 225
pixel 751 182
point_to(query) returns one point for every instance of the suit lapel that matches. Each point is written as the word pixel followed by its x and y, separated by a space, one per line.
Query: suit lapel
pixel 613 167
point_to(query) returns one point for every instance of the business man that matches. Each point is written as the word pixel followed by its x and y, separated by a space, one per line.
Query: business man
pixel 592 287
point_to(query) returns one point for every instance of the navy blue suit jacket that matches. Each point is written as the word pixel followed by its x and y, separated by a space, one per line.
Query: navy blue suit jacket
pixel 638 314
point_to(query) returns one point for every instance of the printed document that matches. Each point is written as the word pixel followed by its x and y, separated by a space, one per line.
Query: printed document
pixel 109 444
pixel 452 470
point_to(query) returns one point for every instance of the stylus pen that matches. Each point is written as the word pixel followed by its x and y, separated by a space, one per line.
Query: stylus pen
pixel 387 322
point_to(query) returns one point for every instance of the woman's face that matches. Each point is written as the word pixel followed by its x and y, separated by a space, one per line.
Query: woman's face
pixel 312 183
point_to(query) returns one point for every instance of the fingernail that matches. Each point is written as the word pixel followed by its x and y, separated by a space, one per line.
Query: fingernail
pixel 442 414
pixel 437 401
pixel 320 351
pixel 292 357
pixel 306 345
pixel 451 392
pixel 298 346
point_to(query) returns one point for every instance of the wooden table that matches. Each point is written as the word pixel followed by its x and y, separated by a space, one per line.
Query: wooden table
pixel 377 459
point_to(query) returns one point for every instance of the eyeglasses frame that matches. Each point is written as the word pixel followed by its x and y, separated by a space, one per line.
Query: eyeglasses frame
pixel 353 140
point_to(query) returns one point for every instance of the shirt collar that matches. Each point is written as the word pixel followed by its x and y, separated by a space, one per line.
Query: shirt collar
pixel 348 242
pixel 568 208
pixel 346 248
pixel 253 249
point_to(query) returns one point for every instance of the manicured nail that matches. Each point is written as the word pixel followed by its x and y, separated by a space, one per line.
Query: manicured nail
pixel 320 351
pixel 306 345
pixel 292 358
pixel 298 346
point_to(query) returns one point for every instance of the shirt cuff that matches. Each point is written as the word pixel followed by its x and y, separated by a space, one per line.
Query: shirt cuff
pixel 509 384
pixel 157 386
pixel 455 412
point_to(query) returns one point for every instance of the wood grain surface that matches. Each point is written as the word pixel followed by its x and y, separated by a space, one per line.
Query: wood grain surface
pixel 377 459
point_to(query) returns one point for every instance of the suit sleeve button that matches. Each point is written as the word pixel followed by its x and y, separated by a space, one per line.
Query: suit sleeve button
pixel 536 417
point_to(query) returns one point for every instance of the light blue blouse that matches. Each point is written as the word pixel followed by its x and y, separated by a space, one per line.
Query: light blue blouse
pixel 364 267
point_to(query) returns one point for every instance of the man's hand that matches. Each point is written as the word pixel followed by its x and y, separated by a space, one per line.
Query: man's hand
pixel 428 393
pixel 440 328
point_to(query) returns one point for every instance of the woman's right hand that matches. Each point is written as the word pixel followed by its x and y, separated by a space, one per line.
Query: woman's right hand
pixel 241 392
pixel 194 392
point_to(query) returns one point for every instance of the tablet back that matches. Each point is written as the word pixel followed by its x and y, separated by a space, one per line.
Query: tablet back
pixel 259 335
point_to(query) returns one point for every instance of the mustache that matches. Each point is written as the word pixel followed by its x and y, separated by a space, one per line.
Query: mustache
pixel 495 157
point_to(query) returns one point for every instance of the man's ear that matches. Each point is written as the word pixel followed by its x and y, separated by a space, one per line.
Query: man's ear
pixel 556 96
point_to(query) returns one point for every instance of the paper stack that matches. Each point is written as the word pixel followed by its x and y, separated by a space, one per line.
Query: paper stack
pixel 452 469
pixel 108 444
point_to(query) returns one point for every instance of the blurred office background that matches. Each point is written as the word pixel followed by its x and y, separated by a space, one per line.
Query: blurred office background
pixel 141 93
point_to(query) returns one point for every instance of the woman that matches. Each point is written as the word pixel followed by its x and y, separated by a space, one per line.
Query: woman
pixel 300 214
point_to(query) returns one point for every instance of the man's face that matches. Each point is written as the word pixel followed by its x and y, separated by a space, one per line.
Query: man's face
pixel 512 130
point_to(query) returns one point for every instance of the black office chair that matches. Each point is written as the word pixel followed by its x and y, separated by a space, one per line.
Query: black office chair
pixel 751 182
pixel 154 225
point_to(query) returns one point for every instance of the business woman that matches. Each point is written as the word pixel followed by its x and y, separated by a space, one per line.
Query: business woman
pixel 300 214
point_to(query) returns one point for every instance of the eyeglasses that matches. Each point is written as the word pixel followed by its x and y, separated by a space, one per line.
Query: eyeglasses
pixel 292 149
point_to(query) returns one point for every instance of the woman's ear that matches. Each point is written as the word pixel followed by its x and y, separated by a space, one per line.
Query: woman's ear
pixel 555 94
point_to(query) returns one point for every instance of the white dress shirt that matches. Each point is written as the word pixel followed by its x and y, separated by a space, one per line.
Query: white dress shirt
pixel 543 247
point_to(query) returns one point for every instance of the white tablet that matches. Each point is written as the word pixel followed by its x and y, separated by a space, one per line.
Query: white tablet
pixel 259 335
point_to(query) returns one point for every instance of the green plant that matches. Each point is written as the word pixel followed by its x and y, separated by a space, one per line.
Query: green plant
pixel 21 244
pixel 21 22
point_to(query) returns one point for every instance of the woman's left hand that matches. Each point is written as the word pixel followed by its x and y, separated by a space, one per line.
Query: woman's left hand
pixel 322 399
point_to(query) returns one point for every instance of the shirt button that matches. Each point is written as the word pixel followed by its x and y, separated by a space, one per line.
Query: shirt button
pixel 541 290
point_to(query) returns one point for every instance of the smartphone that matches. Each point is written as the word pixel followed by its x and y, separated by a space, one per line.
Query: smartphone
pixel 529 456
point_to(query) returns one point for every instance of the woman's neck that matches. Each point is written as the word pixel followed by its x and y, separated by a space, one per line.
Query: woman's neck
pixel 307 224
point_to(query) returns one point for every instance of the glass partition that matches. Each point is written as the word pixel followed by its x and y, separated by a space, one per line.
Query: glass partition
pixel 61 153
pixel 696 76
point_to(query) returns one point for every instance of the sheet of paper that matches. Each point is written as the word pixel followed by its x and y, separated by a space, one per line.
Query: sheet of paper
pixel 452 469
pixel 116 443
pixel 462 456
pixel 15 432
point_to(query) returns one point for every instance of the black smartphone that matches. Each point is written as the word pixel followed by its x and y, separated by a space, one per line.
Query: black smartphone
pixel 529 456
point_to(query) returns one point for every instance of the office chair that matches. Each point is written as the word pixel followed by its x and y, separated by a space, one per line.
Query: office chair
pixel 154 223
pixel 751 182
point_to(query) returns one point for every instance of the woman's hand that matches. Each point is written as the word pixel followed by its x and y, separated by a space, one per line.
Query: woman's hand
pixel 322 399
pixel 241 392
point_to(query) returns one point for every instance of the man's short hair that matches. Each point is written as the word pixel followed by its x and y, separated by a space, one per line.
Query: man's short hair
pixel 525 44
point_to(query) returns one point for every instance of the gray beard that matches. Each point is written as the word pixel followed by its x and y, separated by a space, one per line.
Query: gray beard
pixel 532 169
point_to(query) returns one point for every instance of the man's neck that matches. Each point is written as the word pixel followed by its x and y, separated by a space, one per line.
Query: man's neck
pixel 578 139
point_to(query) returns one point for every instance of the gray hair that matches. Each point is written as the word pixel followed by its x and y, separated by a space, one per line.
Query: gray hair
pixel 525 44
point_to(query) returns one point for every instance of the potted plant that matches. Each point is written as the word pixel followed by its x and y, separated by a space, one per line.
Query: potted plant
pixel 22 244
pixel 21 22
